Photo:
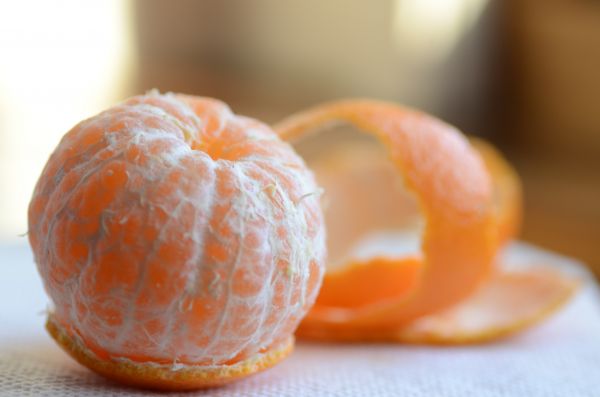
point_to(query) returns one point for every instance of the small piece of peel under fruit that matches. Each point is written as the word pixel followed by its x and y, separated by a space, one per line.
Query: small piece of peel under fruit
pixel 181 244
pixel 450 292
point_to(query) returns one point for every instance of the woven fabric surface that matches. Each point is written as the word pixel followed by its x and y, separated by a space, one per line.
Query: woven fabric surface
pixel 559 358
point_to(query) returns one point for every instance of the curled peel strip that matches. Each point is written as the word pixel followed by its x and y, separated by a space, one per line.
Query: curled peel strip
pixel 471 205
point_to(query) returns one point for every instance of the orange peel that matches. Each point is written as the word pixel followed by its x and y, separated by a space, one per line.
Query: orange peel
pixel 507 304
pixel 454 192
pixel 169 377
pixel 508 195
pixel 342 170
pixel 372 281
pixel 429 153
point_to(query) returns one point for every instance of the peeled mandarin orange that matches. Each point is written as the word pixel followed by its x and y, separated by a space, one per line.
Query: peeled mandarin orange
pixel 450 291
pixel 181 244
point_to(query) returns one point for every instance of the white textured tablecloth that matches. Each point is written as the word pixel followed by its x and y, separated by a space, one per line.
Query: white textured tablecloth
pixel 558 358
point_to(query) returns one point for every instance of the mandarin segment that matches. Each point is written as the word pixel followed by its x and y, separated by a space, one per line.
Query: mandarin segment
pixel 157 244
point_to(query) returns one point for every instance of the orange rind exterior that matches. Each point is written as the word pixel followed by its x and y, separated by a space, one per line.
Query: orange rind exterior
pixel 167 377
pixel 460 242
pixel 368 282
pixel 454 192
pixel 507 304
pixel 508 192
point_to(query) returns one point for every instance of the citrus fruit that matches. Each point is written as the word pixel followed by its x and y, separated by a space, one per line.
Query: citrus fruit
pixel 180 244
pixel 450 290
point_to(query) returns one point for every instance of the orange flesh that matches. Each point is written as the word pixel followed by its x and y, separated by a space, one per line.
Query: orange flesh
pixel 168 229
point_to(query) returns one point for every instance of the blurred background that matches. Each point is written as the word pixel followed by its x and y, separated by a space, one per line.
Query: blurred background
pixel 524 74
